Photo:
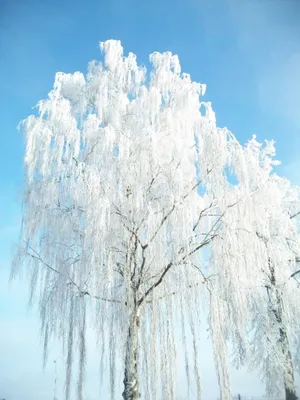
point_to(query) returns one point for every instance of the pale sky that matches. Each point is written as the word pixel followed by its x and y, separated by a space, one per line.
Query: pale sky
pixel 246 51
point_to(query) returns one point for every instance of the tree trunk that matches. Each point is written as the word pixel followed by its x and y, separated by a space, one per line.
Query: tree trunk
pixel 290 395
pixel 289 380
pixel 277 308
pixel 131 387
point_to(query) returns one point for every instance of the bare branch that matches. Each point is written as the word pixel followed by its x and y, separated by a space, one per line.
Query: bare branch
pixel 295 215
pixel 174 293
pixel 38 257
pixel 167 268
pixel 201 215
pixel 295 273
pixel 158 282
pixel 142 267
pixel 71 281
pixel 91 151
pixel 161 224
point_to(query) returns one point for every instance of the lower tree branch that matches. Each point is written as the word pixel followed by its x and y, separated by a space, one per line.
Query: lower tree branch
pixel 71 281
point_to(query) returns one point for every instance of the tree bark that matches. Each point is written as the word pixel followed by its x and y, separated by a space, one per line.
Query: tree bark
pixel 277 308
pixel 131 386
pixel 290 395
pixel 289 380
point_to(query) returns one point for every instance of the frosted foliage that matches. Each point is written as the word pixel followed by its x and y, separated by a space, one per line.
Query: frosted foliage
pixel 113 218
pixel 258 245
pixel 127 182
pixel 277 304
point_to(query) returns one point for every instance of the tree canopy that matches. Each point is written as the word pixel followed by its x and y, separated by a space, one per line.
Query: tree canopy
pixel 139 211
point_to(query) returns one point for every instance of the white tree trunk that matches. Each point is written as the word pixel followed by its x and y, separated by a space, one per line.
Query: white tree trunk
pixel 131 387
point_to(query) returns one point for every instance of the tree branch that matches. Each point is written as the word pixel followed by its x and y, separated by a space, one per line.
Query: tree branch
pixel 142 267
pixel 295 273
pixel 158 282
pixel 161 224
pixel 91 151
pixel 294 215
pixel 201 215
pixel 71 281
pixel 208 238
pixel 167 268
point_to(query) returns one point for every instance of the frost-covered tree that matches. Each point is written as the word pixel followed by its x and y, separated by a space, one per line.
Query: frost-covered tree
pixel 234 260
pixel 127 182
pixel 279 235
pixel 256 292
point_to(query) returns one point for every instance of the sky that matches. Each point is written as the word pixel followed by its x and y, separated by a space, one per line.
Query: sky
pixel 247 52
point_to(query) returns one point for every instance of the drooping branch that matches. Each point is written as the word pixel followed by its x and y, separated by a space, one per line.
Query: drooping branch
pixel 295 273
pixel 157 283
pixel 211 234
pixel 91 151
pixel 201 214
pixel 133 232
pixel 38 258
pixel 142 267
pixel 205 281
pixel 294 215
pixel 70 280
pixel 175 292
pixel 165 217
pixel 167 268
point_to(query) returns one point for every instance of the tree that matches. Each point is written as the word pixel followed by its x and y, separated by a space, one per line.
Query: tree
pixel 259 298
pixel 282 250
pixel 279 267
pixel 281 246
pixel 126 184
pixel 234 260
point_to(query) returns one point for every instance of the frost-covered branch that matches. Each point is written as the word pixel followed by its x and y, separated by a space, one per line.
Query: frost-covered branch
pixel 71 282
pixel 201 214
pixel 114 161
pixel 167 268
pixel 295 215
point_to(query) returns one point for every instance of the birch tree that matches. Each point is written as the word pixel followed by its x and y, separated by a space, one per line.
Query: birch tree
pixel 276 312
pixel 126 184
pixel 234 261
pixel 255 284
pixel 282 306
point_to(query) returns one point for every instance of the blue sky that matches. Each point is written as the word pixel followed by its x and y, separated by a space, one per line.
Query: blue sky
pixel 246 51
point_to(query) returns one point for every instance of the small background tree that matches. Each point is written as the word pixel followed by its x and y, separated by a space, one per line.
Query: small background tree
pixel 257 296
